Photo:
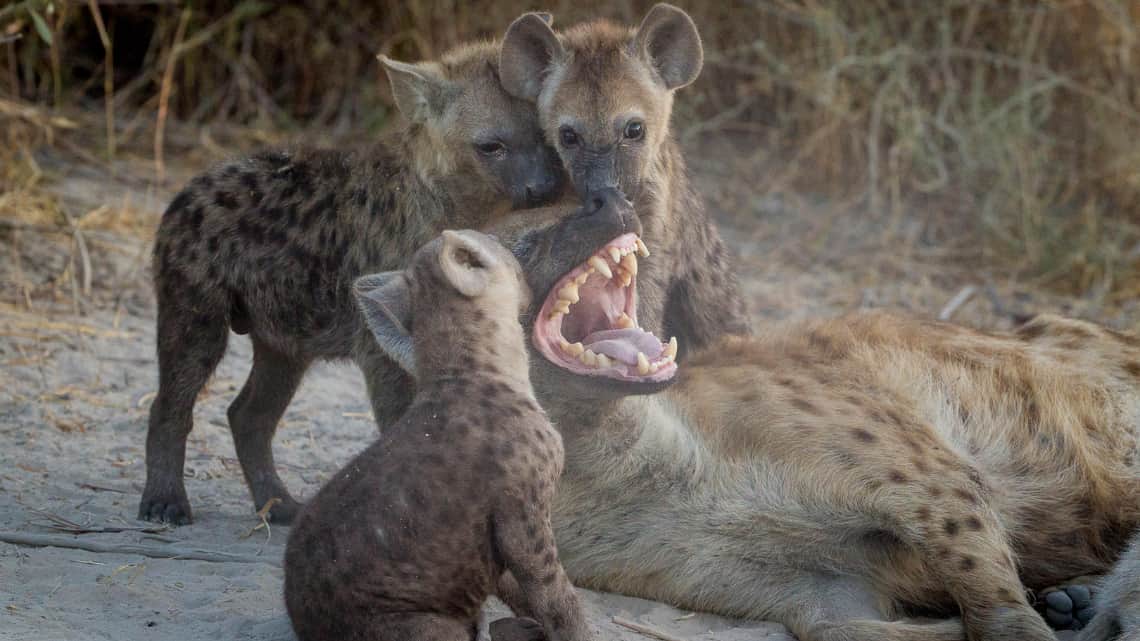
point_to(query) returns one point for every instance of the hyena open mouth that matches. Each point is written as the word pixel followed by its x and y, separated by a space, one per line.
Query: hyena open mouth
pixel 588 323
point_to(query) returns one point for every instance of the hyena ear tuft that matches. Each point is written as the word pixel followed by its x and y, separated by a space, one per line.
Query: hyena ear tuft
pixel 467 262
pixel 386 302
pixel 669 42
pixel 528 50
pixel 420 91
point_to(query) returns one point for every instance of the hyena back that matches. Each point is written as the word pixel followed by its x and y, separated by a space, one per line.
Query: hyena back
pixel 605 99
pixel 270 245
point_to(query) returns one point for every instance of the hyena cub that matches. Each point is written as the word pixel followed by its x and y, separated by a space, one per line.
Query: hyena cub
pixel 270 246
pixel 452 504
pixel 605 97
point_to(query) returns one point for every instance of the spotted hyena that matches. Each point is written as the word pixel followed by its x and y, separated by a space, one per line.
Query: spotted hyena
pixel 452 504
pixel 270 245
pixel 605 97
pixel 852 478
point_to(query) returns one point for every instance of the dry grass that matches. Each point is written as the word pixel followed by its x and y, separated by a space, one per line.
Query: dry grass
pixel 994 134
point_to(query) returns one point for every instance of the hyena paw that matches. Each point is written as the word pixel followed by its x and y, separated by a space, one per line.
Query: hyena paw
pixel 166 507
pixel 517 629
pixel 1067 607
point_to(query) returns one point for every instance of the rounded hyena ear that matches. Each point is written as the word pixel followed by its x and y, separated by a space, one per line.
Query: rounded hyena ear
pixel 386 302
pixel 528 50
pixel 420 90
pixel 467 262
pixel 668 41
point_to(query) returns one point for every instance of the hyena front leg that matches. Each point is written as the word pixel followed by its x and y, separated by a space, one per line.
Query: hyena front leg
pixel 963 544
pixel 525 539
pixel 253 418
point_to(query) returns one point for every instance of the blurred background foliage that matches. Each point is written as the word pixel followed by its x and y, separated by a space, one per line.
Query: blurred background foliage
pixel 1011 127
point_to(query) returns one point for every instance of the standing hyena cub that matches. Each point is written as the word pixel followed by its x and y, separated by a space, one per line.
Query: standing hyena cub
pixel 452 504
pixel 270 246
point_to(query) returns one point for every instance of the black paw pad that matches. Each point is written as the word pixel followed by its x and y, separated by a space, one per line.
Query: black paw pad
pixel 1067 608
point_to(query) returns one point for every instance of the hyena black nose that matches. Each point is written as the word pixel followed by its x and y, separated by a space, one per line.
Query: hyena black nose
pixel 543 189
pixel 610 204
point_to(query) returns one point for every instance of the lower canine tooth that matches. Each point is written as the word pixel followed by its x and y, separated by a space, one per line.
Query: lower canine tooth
pixel 615 254
pixel 642 250
pixel 599 263
pixel 624 321
pixel 642 364
pixel 671 349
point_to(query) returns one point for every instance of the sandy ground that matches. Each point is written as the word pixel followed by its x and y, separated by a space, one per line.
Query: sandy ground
pixel 77 375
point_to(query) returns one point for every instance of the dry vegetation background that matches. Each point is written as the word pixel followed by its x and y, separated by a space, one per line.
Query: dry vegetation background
pixel 880 152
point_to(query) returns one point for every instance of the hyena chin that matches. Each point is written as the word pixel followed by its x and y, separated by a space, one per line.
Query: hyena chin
pixel 605 98
pixel 270 246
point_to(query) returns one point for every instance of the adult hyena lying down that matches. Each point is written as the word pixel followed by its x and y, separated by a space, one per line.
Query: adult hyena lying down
pixel 838 476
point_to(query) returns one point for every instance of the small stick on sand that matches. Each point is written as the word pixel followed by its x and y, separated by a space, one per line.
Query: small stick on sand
pixel 961 298
pixel 643 629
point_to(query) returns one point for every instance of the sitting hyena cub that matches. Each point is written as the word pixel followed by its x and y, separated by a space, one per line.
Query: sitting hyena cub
pixel 452 504
pixel 270 245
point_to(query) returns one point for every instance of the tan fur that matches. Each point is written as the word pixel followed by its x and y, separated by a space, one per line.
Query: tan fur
pixel 834 475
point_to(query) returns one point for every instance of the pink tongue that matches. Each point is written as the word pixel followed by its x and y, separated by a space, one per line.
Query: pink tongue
pixel 624 344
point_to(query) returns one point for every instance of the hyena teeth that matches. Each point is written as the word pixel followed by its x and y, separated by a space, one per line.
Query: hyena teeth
pixel 562 306
pixel 625 276
pixel 624 321
pixel 642 364
pixel 581 279
pixel 615 254
pixel 671 349
pixel 555 314
pixel 589 358
pixel 599 263
pixel 642 250
pixel 603 361
pixel 573 349
pixel 569 293
pixel 629 262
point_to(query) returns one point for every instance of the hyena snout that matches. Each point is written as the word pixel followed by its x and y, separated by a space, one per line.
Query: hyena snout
pixel 538 179
pixel 609 206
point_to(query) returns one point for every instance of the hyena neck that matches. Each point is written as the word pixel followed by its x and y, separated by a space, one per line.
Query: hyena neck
pixel 493 349
pixel 668 202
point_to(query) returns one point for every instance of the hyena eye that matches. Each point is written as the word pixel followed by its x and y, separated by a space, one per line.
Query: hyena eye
pixel 634 130
pixel 568 136
pixel 490 148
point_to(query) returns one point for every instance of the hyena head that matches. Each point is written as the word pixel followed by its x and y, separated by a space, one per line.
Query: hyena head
pixel 457 304
pixel 468 133
pixel 604 92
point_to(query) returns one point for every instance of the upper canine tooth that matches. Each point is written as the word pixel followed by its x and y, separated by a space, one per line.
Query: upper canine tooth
pixel 624 321
pixel 642 364
pixel 615 254
pixel 642 250
pixel 599 263
pixel 629 261
pixel 671 348
pixel 569 293
pixel 603 360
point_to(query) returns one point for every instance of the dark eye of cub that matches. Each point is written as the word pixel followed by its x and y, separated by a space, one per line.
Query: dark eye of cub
pixel 568 136
pixel 634 130
pixel 490 148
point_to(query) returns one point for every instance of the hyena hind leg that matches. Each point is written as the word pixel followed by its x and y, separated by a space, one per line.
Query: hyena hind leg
pixel 1117 601
pixel 253 417
pixel 190 346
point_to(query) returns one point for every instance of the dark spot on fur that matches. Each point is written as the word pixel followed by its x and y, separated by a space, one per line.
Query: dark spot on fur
pixel 805 406
pixel 967 564
pixel 226 200
pixel 966 496
pixel 863 435
pixel 974 523
pixel 896 476
pixel 934 491
pixel 923 513
pixel 950 527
